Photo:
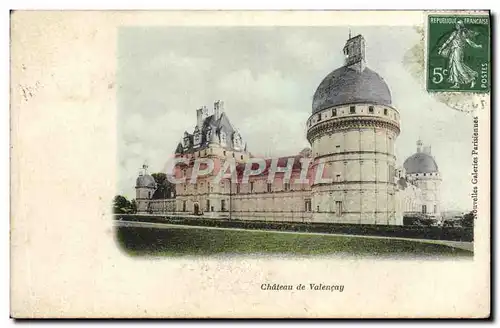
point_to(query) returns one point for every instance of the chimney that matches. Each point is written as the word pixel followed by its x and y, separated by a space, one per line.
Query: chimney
pixel 218 108
pixel 354 51
pixel 419 146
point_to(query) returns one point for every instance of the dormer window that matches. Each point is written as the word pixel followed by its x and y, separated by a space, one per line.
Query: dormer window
pixel 186 142
pixel 352 109
pixel 197 137
pixel 209 135
pixel 385 111
pixel 370 109
pixel 319 117
pixel 334 112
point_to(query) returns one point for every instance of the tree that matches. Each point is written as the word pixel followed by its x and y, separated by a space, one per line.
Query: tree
pixel 121 205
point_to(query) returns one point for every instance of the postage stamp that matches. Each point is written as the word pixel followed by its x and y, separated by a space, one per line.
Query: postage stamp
pixel 458 53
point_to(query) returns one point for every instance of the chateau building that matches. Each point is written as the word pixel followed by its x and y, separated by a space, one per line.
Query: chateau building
pixel 348 175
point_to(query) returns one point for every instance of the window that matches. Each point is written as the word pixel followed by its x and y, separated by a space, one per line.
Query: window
pixel 208 186
pixel 424 209
pixel 241 156
pixel 337 178
pixel 338 206
pixel 237 188
pixel 208 205
pixel 149 194
pixel 352 109
pixel 337 148
pixel 251 186
pixel 287 186
pixel 319 117
pixel 268 187
pixel 317 208
pixel 224 153
pixel 385 111
pixel 435 208
pixel 199 153
pixel 223 205
pixel 184 206
pixel 370 109
pixel 334 112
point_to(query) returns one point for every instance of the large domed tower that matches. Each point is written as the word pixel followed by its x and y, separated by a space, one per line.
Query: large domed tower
pixel 422 170
pixel 352 131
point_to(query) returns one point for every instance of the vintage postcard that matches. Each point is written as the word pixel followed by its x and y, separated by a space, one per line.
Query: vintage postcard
pixel 250 164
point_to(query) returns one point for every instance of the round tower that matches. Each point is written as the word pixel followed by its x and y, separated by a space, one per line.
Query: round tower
pixel 422 169
pixel 352 131
pixel 145 186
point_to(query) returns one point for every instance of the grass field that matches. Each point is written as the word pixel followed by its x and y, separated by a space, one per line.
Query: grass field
pixel 180 241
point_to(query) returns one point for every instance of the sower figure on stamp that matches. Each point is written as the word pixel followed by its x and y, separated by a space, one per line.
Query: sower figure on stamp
pixel 453 49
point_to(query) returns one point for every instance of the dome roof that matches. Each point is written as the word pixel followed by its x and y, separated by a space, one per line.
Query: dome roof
pixel 346 86
pixel 420 163
pixel 145 181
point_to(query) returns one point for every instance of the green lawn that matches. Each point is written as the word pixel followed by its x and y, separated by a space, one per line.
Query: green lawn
pixel 205 242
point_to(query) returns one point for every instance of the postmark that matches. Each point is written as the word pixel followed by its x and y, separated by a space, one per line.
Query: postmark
pixel 458 53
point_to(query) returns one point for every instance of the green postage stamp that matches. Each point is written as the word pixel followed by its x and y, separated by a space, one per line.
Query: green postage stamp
pixel 458 53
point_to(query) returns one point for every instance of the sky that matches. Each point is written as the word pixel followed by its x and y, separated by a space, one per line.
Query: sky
pixel 267 77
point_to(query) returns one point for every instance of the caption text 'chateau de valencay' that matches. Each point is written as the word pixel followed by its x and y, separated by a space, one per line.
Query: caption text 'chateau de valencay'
pixel 352 131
